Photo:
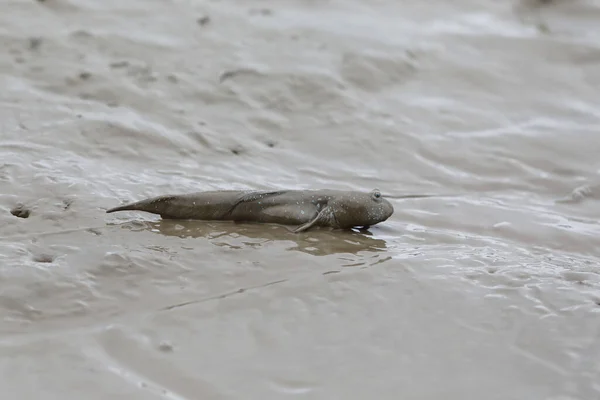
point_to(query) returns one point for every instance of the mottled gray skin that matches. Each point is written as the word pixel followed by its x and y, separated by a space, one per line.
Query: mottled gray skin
pixel 306 208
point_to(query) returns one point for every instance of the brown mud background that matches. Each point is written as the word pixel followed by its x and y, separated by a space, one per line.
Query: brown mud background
pixel 490 293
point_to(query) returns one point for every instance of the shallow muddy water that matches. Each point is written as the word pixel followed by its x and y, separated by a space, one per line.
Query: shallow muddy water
pixel 490 290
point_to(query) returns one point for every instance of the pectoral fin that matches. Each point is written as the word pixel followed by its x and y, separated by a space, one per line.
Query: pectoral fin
pixel 321 216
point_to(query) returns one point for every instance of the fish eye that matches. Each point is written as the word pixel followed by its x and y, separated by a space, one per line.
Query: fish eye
pixel 376 194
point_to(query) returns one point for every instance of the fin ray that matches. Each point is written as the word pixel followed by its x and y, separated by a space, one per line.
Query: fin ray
pixel 321 215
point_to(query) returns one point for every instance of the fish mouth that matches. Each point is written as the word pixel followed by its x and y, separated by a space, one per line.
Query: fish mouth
pixel 388 210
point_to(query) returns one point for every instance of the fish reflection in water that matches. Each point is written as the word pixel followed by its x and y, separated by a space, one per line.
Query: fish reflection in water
pixel 319 242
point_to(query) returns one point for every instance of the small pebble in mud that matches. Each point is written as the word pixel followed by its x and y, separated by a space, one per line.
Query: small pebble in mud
pixel 44 258
pixel 237 150
pixel 166 347
pixel 203 20
pixel 119 64
pixel 20 211
pixel 66 204
pixel 271 143
pixel 35 43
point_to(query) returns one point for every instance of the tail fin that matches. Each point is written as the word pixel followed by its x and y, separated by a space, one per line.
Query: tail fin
pixel 126 207
pixel 155 205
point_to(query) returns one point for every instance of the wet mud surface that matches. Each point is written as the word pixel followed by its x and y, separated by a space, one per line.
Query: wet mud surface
pixel 489 290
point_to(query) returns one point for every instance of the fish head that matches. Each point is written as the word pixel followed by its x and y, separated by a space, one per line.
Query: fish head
pixel 360 209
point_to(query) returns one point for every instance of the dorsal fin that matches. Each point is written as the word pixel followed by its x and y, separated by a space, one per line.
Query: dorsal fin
pixel 253 196
pixel 257 195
